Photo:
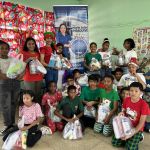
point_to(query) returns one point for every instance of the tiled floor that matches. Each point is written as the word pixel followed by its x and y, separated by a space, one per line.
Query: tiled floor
pixel 90 141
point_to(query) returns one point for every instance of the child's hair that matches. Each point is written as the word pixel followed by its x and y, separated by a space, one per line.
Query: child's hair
pixel 109 76
pixel 131 42
pixel 4 43
pixel 71 87
pixel 106 40
pixel 29 92
pixel 59 44
pixel 76 71
pixel 124 89
pixel 137 85
pixel 93 78
pixel 69 77
pixel 117 70
pixel 93 43
pixel 25 48
pixel 50 82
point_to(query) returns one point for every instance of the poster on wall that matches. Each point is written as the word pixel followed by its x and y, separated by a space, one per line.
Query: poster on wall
pixel 75 18
pixel 141 37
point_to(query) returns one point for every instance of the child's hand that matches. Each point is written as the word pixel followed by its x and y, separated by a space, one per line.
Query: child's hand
pixel 106 120
pixel 24 129
pixel 89 104
pixel 129 136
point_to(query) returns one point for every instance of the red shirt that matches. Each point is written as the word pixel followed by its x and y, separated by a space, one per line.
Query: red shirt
pixel 28 76
pixel 47 51
pixel 52 99
pixel 101 85
pixel 135 110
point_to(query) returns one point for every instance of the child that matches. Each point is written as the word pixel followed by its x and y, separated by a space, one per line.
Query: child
pixel 90 98
pixel 45 55
pixel 110 94
pixel 32 116
pixel 76 74
pixel 71 81
pixel 70 106
pixel 9 88
pixel 106 58
pixel 118 73
pixel 132 76
pixel 88 59
pixel 124 93
pixel 32 81
pixel 49 100
pixel 136 109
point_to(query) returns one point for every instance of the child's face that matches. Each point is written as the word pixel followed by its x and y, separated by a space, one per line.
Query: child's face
pixel 132 68
pixel 52 87
pixel 70 82
pixel 108 82
pixel 72 94
pixel 77 75
pixel 118 75
pixel 31 45
pixel 92 84
pixel 59 49
pixel 4 50
pixel 106 46
pixel 27 99
pixel 125 94
pixel 135 93
pixel 127 45
pixel 93 48
pixel 48 41
pixel 63 29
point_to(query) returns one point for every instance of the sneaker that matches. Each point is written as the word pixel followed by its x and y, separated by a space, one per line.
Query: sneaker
pixel 4 130
pixel 142 138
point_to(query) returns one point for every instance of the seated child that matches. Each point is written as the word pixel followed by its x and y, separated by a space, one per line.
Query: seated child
pixel 76 74
pixel 32 115
pixel 70 106
pixel 132 76
pixel 110 94
pixel 49 100
pixel 71 81
pixel 137 110
pixel 90 98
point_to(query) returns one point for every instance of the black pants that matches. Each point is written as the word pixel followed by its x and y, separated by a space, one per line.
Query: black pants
pixel 33 135
pixel 88 121
pixel 67 112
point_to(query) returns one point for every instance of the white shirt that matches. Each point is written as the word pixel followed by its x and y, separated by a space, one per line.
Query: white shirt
pixel 129 54
pixel 4 64
pixel 127 79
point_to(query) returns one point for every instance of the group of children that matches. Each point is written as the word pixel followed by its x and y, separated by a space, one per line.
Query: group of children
pixel 123 87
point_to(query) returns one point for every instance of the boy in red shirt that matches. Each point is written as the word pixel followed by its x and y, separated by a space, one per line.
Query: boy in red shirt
pixel 137 110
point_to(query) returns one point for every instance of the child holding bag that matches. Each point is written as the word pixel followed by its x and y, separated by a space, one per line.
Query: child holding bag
pixel 32 114
pixel 49 100
pixel 9 89
pixel 32 81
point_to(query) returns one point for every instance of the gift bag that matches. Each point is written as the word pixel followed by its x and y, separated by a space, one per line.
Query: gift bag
pixel 73 130
pixel 52 61
pixel 83 80
pixel 103 110
pixel 11 140
pixel 95 64
pixel 16 67
pixel 122 126
pixel 90 113
pixel 51 115
pixel 36 67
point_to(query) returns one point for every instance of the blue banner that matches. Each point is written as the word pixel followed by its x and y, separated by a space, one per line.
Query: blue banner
pixel 76 20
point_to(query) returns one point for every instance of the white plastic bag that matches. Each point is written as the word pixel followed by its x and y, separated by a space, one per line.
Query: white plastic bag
pixel 46 130
pixel 95 64
pixel 83 80
pixel 11 140
pixel 52 61
pixel 16 67
pixel 122 126
pixel 21 122
pixel 90 113
pixel 72 130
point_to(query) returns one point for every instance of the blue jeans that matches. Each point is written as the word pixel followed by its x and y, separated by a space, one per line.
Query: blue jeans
pixel 105 71
pixel 52 75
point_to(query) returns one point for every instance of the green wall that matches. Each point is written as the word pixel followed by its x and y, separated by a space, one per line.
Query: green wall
pixel 114 19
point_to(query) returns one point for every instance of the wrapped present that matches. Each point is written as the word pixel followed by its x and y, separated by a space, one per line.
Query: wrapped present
pixel 52 62
pixel 103 110
pixel 122 127
pixel 95 64
pixel 17 66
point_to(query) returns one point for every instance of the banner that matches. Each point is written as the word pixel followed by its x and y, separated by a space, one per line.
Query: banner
pixel 76 20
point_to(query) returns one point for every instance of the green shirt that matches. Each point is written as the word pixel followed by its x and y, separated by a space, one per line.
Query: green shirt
pixel 89 56
pixel 74 104
pixel 88 94
pixel 112 96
